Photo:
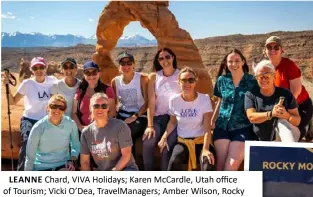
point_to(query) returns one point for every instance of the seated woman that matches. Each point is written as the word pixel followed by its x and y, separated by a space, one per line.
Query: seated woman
pixel 271 116
pixel 191 112
pixel 107 140
pixel 131 94
pixel 50 139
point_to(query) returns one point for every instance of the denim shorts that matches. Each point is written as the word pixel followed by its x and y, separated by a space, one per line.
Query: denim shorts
pixel 240 135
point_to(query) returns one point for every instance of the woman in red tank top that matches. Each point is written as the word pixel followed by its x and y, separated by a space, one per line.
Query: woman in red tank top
pixel 288 75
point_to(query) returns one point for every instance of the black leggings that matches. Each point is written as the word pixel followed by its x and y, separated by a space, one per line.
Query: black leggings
pixel 137 128
pixel 180 156
pixel 305 112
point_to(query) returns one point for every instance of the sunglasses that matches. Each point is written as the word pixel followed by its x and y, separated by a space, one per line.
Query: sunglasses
pixel 35 68
pixel 128 63
pixel 59 107
pixel 93 73
pixel 165 57
pixel 100 106
pixel 70 67
pixel 276 47
pixel 265 76
pixel 188 80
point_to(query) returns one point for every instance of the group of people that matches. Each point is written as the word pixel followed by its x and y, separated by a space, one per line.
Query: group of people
pixel 73 124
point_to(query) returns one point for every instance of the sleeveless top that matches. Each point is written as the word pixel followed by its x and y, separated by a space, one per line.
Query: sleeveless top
pixel 165 87
pixel 129 95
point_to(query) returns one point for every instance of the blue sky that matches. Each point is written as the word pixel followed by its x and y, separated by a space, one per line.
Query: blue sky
pixel 200 19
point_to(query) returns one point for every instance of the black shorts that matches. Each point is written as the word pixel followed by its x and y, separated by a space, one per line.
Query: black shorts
pixel 240 135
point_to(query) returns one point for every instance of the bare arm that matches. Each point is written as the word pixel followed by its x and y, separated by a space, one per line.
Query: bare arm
pixel 151 99
pixel 256 117
pixel 114 88
pixel 216 112
pixel 12 99
pixel 170 127
pixel 85 162
pixel 112 108
pixel 126 155
pixel 74 115
pixel 295 87
pixel 294 117
pixel 144 89
pixel 207 130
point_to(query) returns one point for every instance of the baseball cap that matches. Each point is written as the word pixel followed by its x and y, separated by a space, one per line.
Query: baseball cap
pixel 273 39
pixel 70 60
pixel 38 60
pixel 90 64
pixel 125 54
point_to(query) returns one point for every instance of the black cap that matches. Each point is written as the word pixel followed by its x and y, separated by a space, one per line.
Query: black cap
pixel 125 54
pixel 70 60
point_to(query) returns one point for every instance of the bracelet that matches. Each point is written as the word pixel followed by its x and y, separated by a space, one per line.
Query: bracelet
pixel 268 115
pixel 150 126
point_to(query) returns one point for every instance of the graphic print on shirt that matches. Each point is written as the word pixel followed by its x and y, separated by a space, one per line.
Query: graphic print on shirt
pixel 129 98
pixel 43 95
pixel 165 87
pixel 184 113
pixel 101 149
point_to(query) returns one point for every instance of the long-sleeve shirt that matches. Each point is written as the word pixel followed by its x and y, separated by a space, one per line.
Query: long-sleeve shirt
pixel 48 144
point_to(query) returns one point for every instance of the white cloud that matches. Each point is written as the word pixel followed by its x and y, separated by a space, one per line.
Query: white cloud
pixel 90 20
pixel 9 15
pixel 32 17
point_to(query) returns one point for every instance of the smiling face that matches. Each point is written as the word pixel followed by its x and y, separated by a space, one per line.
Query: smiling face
pixel 39 70
pixel 187 82
pixel 91 76
pixel 69 70
pixel 265 78
pixel 127 65
pixel 56 109
pixel 234 62
pixel 165 59
pixel 99 109
pixel 273 51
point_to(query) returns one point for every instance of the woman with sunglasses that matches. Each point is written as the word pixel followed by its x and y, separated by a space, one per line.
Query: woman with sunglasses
pixel 36 93
pixel 69 84
pixel 288 75
pixel 191 112
pixel 107 140
pixel 230 123
pixel 53 141
pixel 131 94
pixel 264 108
pixel 161 86
pixel 90 85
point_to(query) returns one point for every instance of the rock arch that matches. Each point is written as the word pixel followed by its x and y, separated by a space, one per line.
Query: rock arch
pixel 156 17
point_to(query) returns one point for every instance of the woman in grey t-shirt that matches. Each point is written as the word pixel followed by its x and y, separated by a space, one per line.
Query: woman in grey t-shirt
pixel 107 140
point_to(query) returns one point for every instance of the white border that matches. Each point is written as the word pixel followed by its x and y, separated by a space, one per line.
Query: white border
pixel 248 144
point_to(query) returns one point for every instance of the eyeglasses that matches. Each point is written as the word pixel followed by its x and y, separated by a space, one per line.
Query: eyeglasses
pixel 188 80
pixel 128 63
pixel 100 106
pixel 92 73
pixel 55 106
pixel 276 47
pixel 165 57
pixel 35 68
pixel 265 76
pixel 70 67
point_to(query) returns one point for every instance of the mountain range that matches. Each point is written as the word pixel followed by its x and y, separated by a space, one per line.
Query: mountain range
pixel 35 39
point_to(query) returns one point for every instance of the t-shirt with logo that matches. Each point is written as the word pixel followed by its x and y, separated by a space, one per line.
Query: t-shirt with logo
pixel 68 92
pixel 189 115
pixel 36 96
pixel 105 143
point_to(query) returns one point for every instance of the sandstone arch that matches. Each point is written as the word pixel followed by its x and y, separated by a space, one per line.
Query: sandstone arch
pixel 156 17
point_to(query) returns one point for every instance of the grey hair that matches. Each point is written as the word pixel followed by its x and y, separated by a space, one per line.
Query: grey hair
pixel 263 64
pixel 93 99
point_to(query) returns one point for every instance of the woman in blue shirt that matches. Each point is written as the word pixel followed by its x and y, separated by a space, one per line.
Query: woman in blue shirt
pixel 230 123
pixel 50 139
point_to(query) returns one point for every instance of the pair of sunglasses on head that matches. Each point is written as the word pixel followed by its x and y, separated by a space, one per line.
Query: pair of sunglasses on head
pixel 59 107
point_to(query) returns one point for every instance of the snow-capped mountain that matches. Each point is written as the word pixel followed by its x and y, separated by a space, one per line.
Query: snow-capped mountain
pixel 36 39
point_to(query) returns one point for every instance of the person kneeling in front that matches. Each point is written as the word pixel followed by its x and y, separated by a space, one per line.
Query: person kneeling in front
pixel 107 140
pixel 50 139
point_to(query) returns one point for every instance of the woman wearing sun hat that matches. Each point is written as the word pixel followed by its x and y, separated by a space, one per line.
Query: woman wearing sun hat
pixel 36 93
pixel 288 75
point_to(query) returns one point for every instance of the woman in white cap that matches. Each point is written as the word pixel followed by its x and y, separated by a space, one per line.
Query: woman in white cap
pixel 265 110
pixel 68 85
pixel 36 93
pixel 131 94
pixel 288 75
